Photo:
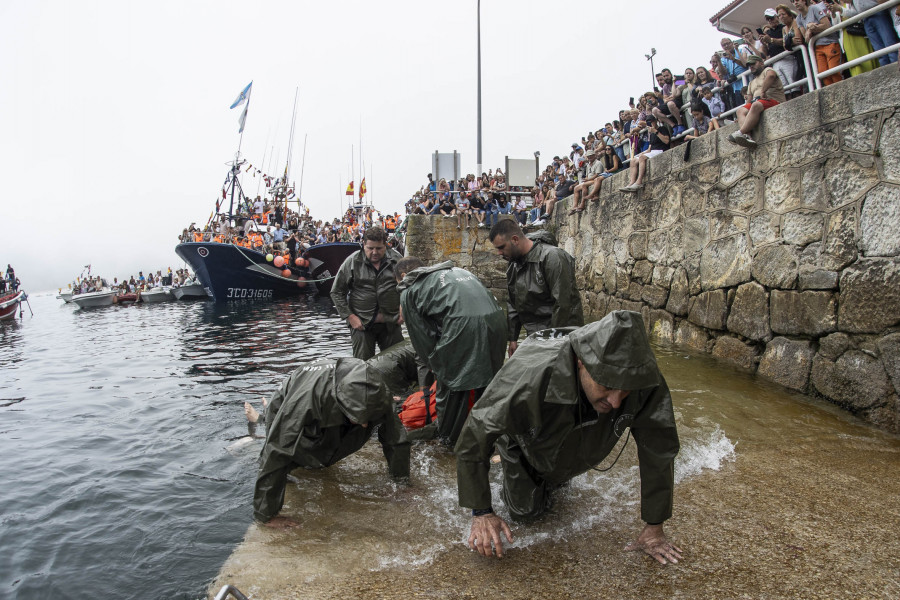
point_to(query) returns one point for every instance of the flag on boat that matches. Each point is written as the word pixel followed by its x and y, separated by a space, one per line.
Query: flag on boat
pixel 362 188
pixel 242 97
pixel 349 191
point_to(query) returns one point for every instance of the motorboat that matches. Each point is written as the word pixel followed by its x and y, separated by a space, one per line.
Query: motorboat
pixel 65 296
pixel 102 297
pixel 159 294
pixel 190 291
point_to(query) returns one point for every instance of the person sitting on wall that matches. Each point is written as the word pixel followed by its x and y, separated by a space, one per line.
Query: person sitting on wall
pixel 659 143
pixel 765 91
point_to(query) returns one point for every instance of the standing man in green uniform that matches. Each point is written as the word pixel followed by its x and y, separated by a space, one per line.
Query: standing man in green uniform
pixel 540 279
pixel 366 297
pixel 557 409
pixel 326 411
pixel 457 327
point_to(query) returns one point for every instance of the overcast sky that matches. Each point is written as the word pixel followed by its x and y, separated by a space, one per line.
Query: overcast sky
pixel 117 129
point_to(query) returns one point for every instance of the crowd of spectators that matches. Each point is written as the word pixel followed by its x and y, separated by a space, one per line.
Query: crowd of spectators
pixel 680 108
pixel 272 227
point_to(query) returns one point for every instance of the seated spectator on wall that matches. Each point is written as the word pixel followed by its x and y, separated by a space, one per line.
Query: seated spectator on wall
pixel 476 205
pixel 659 143
pixel 564 187
pixel 766 91
pixel 668 110
pixel 611 164
pixel 879 27
pixel 812 20
pixel 549 199
pixel 686 90
pixel 462 210
pixel 594 168
pixel 520 210
pixel 447 208
pixel 702 123
pixel 773 38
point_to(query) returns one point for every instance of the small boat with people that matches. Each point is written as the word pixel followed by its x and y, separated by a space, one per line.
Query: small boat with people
pixel 190 291
pixel 157 294
pixel 95 292
pixel 9 302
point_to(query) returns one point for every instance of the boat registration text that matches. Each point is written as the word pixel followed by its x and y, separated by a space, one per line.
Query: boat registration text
pixel 248 293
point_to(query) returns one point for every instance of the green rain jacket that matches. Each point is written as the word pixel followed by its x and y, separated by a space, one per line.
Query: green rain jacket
pixel 542 292
pixel 314 421
pixel 537 401
pixel 399 366
pixel 358 289
pixel 455 325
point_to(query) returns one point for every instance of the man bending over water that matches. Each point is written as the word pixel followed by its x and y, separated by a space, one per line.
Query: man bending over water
pixel 555 410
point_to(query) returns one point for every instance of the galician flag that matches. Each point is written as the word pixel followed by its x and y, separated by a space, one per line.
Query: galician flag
pixel 349 191
pixel 243 98
pixel 362 188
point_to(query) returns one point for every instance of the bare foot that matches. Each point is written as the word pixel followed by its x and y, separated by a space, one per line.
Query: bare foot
pixel 281 523
pixel 252 415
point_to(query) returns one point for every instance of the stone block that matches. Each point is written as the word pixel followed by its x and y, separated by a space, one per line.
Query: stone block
pixel 765 228
pixel 787 362
pixel 634 291
pixel 662 326
pixel 706 174
pixel 782 191
pixel 802 313
pixel 725 223
pixel 889 349
pixel 846 177
pixel 610 275
pixel 764 159
pixel 709 310
pixel 734 167
pixel 658 246
pixel 703 149
pixel 776 266
pixel 832 346
pixel 749 315
pixel 856 379
pixel 696 234
pixel 654 296
pixel 693 200
pixel 786 119
pixel 807 147
pixel 659 166
pixel 858 135
pixel 669 208
pixel 642 271
pixel 879 223
pixel 637 245
pixel 723 146
pixel 679 296
pixel 876 90
pixel 743 197
pixel 675 252
pixel 613 305
pixel 813 193
pixel 644 215
pixel 888 144
pixel 725 262
pixel 870 296
pixel 834 101
pixel 620 251
pixel 662 276
pixel 840 238
pixel 633 306
pixel 690 336
pixel 802 227
pixel 623 281
pixel 736 352
pixel 692 267
pixel 717 199
pixel 817 279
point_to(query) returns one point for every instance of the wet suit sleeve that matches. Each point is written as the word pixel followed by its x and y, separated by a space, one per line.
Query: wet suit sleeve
pixel 341 287
pixel 657 441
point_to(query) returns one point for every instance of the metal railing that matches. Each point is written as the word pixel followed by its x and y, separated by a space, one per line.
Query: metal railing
pixel 230 590
pixel 818 77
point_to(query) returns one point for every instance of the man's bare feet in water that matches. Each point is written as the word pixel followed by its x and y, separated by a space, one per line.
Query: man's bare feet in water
pixel 251 413
pixel 281 523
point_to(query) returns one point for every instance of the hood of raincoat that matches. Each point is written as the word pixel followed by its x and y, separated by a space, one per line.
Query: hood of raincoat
pixel 360 391
pixel 410 278
pixel 542 236
pixel 616 352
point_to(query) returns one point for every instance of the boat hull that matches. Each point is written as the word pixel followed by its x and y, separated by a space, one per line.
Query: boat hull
pixel 157 295
pixel 8 305
pixel 230 273
pixel 94 299
pixel 190 292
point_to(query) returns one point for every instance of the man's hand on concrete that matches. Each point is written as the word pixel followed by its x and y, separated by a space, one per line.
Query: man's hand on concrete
pixel 486 531
pixel 653 541
pixel 355 322
pixel 512 348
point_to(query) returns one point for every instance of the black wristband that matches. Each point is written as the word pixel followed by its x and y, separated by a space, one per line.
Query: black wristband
pixel 480 512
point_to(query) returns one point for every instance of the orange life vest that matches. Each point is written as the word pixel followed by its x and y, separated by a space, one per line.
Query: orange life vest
pixel 198 236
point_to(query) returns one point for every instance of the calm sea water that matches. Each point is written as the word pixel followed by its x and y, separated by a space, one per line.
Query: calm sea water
pixel 115 427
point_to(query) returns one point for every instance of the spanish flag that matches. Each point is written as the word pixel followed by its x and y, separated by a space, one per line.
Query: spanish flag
pixel 362 188
pixel 349 191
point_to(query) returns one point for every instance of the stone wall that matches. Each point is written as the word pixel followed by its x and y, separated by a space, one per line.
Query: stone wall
pixel 783 260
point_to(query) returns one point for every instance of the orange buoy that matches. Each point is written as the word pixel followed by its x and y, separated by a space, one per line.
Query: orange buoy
pixel 286 273
pixel 298 261
pixel 279 261
pixel 305 262
pixel 301 282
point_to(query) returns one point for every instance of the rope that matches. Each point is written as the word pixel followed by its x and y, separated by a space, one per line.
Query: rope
pixel 627 437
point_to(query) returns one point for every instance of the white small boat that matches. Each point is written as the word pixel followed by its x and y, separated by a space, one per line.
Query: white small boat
pixel 160 294
pixel 190 291
pixel 102 297
pixel 66 296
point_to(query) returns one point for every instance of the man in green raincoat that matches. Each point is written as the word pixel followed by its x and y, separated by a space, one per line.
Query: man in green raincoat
pixel 458 328
pixel 326 411
pixel 540 279
pixel 557 409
